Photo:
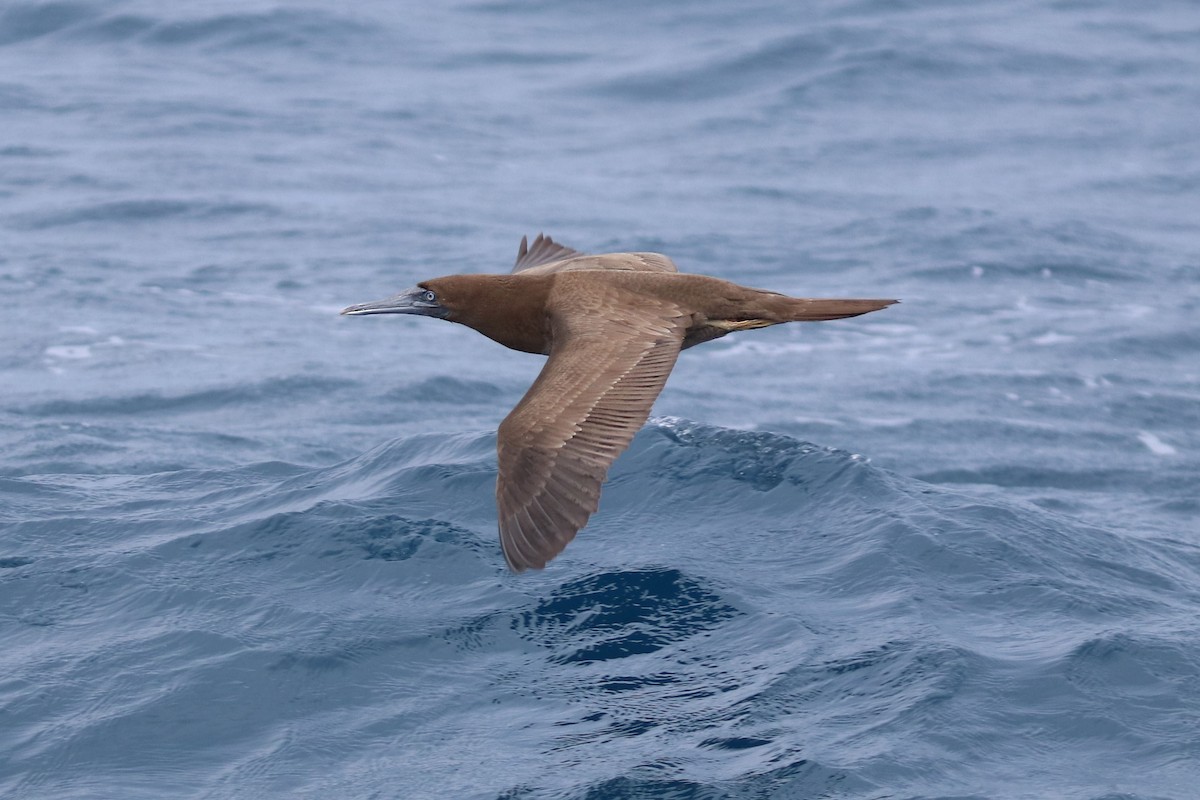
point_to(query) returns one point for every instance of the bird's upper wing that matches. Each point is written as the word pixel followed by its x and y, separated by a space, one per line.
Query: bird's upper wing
pixel 544 251
pixel 611 355
pixel 546 256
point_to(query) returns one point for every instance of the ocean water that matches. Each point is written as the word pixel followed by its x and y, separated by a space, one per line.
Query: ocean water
pixel 948 550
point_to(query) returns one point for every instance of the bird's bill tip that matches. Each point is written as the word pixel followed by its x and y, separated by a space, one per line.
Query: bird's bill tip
pixel 360 309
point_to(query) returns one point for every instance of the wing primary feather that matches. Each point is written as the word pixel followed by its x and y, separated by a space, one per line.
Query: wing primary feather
pixel 529 529
pixel 523 552
pixel 542 251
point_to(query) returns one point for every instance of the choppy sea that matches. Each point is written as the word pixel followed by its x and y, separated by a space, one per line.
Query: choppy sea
pixel 948 550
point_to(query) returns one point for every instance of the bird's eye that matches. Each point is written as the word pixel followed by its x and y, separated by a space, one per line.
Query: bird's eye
pixel 429 297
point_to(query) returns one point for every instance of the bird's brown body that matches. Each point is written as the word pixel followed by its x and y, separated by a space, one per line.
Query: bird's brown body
pixel 612 326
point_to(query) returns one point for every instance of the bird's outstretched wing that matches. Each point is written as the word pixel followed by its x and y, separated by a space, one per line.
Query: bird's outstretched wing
pixel 546 256
pixel 610 359
pixel 544 251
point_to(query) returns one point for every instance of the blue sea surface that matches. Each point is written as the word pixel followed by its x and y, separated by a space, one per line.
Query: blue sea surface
pixel 947 550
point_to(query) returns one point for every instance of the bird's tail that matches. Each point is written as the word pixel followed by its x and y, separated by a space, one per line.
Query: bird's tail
pixel 803 309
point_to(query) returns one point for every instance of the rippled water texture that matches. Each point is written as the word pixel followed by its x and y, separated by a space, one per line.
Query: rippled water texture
pixel 949 550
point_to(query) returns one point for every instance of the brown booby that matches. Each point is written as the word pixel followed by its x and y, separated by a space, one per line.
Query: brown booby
pixel 612 325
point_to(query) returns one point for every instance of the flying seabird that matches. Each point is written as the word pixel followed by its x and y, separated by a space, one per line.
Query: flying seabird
pixel 612 325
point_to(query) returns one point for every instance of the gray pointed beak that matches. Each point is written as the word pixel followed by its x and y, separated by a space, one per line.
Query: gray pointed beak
pixel 412 301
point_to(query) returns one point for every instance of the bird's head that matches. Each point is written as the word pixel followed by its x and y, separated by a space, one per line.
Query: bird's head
pixel 441 297
pixel 509 309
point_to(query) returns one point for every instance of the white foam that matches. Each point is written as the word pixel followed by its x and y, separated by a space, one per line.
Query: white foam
pixel 1052 338
pixel 1155 445
pixel 73 352
pixel 750 347
pixel 887 422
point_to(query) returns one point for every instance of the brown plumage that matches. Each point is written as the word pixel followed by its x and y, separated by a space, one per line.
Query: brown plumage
pixel 612 326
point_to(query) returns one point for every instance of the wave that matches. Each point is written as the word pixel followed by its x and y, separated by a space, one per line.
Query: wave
pixel 141 211
pixel 746 613
pixel 300 29
pixel 269 390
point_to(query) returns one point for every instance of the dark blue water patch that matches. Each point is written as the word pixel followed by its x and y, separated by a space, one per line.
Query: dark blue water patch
pixel 22 22
pixel 295 29
pixel 1161 409
pixel 47 493
pixel 1167 346
pixel 649 788
pixel 759 459
pixel 511 58
pixel 885 72
pixel 24 503
pixel 630 683
pixel 735 743
pixel 1065 251
pixel 388 536
pixel 576 9
pixel 881 226
pixel 1038 476
pixel 763 66
pixel 397 538
pixel 1025 268
pixel 98 445
pixel 1131 668
pixel 305 31
pixel 445 389
pixel 924 148
pixel 132 212
pixel 20 97
pixel 1026 382
pixel 114 28
pixel 796 778
pixel 346 529
pixel 617 615
pixel 27 151
pixel 267 391
pixel 433 455
pixel 224 275
pixel 1175 183
pixel 428 473
pixel 902 675
pixel 1182 506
